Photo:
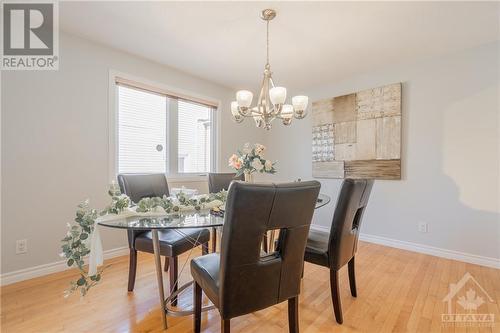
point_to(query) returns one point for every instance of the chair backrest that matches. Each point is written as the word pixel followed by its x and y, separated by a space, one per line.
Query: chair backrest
pixel 346 223
pixel 221 181
pixel 138 186
pixel 250 281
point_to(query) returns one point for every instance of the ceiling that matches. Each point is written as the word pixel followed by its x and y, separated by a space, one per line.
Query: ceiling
pixel 311 43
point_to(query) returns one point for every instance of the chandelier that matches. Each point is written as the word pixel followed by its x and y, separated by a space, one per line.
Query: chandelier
pixel 271 102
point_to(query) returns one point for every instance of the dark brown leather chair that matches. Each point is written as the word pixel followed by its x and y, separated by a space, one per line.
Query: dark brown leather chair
pixel 221 181
pixel 338 248
pixel 216 183
pixel 172 243
pixel 240 279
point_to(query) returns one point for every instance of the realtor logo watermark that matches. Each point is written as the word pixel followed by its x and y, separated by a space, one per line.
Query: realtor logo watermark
pixel 30 32
pixel 467 304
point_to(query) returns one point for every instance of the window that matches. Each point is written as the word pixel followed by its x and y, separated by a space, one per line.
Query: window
pixel 158 132
pixel 142 131
pixel 194 137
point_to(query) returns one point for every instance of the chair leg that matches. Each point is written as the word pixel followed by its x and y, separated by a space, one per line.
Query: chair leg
pixel 173 278
pixel 132 269
pixel 197 307
pixel 225 326
pixel 204 248
pixel 335 290
pixel 165 268
pixel 293 314
pixel 214 239
pixel 352 278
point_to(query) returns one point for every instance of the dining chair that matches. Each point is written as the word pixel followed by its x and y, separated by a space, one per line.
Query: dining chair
pixel 221 181
pixel 241 279
pixel 338 248
pixel 216 183
pixel 172 243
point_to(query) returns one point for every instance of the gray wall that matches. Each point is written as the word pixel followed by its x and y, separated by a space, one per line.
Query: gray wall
pixel 450 153
pixel 55 144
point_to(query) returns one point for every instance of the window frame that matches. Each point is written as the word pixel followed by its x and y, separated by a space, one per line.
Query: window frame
pixel 171 146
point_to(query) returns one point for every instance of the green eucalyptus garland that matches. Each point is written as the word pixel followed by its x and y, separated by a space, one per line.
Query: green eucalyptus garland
pixel 75 246
pixel 183 201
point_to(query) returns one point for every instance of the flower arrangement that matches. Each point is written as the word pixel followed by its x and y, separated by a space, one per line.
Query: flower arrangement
pixel 76 244
pixel 249 160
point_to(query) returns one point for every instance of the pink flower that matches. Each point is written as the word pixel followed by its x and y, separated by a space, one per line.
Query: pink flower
pixel 234 161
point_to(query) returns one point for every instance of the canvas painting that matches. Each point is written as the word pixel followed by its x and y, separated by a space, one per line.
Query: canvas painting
pixel 358 135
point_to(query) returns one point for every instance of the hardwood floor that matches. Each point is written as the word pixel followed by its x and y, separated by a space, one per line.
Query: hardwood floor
pixel 398 291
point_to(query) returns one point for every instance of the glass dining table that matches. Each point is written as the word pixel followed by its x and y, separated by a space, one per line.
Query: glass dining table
pixel 178 222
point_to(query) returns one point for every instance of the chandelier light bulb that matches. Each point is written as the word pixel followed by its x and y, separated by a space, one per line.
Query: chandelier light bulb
pixel 277 95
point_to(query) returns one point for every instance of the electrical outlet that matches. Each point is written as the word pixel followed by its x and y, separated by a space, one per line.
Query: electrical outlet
pixel 423 227
pixel 21 246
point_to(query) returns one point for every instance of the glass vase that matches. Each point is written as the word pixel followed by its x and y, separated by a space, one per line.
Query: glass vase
pixel 248 177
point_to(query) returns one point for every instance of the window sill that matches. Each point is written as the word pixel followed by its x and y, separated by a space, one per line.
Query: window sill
pixel 187 178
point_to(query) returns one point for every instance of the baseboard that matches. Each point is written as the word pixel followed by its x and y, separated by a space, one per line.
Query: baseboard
pixel 58 266
pixel 425 249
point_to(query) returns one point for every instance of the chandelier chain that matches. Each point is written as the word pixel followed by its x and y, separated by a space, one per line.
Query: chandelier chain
pixel 267 43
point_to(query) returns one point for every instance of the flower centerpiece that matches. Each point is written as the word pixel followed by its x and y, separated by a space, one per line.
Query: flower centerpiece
pixel 249 160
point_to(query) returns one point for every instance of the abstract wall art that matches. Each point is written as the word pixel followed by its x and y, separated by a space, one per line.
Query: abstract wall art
pixel 358 135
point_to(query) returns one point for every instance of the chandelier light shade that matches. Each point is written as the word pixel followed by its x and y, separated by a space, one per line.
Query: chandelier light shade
pixel 270 104
pixel 244 98
pixel 277 95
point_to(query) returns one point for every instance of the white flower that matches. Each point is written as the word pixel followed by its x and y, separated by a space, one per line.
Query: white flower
pixel 259 149
pixel 268 165
pixel 257 164
pixel 246 148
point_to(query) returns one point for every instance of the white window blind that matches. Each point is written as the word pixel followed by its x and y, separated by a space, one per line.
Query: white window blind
pixel 142 131
pixel 194 137
pixel 150 121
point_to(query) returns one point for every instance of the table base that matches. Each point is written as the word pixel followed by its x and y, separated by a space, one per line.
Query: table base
pixel 166 309
pixel 173 312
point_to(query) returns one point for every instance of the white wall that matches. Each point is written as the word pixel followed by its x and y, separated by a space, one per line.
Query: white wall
pixel 450 153
pixel 55 143
pixel 55 149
